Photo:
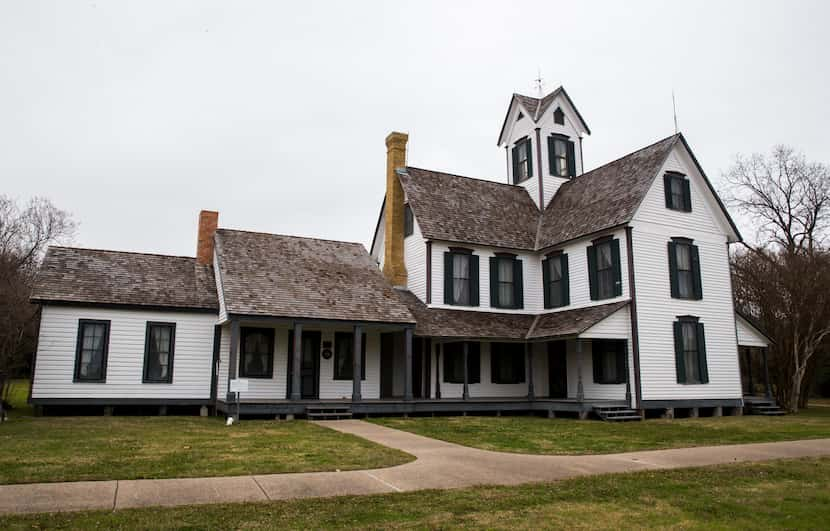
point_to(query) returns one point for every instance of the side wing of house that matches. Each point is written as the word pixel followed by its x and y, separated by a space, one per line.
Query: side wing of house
pixel 677 237
pixel 748 334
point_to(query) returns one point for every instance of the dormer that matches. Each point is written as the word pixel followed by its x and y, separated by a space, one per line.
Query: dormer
pixel 542 139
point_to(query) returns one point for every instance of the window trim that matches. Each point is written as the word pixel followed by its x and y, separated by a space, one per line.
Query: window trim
pixel 496 351
pixel 570 156
pixel 564 280
pixel 77 378
pixel 702 361
pixel 472 281
pixel 145 378
pixel 674 269
pixel 270 335
pixel 517 281
pixel 621 352
pixel 668 178
pixel 526 144
pixel 339 377
pixel 593 267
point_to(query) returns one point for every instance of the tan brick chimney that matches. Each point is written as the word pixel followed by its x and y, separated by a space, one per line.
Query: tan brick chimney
pixel 393 266
pixel 208 221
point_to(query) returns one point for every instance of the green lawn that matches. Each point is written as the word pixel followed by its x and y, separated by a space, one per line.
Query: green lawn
pixel 537 435
pixel 774 495
pixel 50 449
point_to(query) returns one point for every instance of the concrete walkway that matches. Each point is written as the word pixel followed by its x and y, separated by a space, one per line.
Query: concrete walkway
pixel 439 465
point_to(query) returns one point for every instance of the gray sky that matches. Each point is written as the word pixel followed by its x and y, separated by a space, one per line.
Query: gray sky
pixel 134 116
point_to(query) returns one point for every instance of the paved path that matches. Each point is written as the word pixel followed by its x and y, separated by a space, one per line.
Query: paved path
pixel 439 465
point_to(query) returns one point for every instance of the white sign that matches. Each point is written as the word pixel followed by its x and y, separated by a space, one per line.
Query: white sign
pixel 239 386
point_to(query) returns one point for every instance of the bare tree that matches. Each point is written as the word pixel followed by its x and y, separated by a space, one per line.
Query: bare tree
pixel 784 278
pixel 25 233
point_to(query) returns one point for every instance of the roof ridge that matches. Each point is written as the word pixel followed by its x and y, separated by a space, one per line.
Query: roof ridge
pixel 292 236
pixel 675 136
pixel 513 186
pixel 112 251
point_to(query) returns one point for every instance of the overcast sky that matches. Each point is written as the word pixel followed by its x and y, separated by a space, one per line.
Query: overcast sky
pixel 135 115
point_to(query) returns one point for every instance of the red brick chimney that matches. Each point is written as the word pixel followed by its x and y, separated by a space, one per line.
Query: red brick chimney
pixel 208 222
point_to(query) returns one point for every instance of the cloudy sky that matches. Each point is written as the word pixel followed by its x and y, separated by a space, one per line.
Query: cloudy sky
pixel 135 115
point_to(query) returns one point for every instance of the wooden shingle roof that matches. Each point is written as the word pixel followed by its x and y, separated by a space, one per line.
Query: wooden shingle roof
pixel 293 277
pixel 91 276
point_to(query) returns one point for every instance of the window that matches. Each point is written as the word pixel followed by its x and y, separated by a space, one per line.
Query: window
pixel 91 350
pixel 454 363
pixel 684 269
pixel 507 363
pixel 608 357
pixel 408 221
pixel 678 192
pixel 460 278
pixel 257 352
pixel 604 272
pixel 343 356
pixel 559 116
pixel 159 342
pixel 556 280
pixel 506 290
pixel 561 156
pixel 690 351
pixel 522 160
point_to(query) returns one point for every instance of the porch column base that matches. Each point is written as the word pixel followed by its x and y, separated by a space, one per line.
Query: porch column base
pixel 718 411
pixel 203 411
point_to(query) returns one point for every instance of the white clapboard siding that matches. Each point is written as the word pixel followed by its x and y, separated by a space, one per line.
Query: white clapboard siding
pixel 653 227
pixel 55 362
pixel 591 389
pixel 275 387
pixel 415 258
pixel 748 335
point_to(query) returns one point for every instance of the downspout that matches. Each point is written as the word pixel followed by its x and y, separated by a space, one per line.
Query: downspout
pixel 539 169
pixel 507 162
pixel 635 335
pixel 428 297
pixel 581 157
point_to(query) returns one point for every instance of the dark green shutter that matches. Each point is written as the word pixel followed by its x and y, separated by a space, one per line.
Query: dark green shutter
pixel 551 159
pixel 698 286
pixel 622 352
pixel 529 147
pixel 678 352
pixel 571 159
pixel 494 282
pixel 666 189
pixel 615 261
pixel 546 281
pixel 701 354
pixel 596 359
pixel 592 272
pixel 687 196
pixel 566 281
pixel 675 288
pixel 514 154
pixel 518 285
pixel 448 299
pixel 474 280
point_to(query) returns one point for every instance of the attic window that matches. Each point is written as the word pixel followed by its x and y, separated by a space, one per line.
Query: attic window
pixel 677 191
pixel 408 221
pixel 520 116
pixel 559 116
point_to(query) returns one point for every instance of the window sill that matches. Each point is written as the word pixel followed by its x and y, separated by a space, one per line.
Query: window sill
pixel 156 382
pixel 349 379
pixel 270 377
pixel 76 380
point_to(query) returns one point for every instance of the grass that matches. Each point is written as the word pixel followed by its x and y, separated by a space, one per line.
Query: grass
pixel 48 449
pixel 772 495
pixel 535 435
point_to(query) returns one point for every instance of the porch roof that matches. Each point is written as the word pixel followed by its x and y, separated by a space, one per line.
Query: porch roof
pixel 571 322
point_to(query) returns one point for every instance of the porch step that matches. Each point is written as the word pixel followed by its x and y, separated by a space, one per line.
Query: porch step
pixel 765 407
pixel 328 412
pixel 617 413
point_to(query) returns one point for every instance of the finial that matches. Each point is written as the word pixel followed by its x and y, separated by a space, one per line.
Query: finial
pixel 538 82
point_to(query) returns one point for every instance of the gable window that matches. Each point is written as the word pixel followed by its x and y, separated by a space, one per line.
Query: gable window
pixel 561 156
pixel 460 277
pixel 408 221
pixel 507 363
pixel 257 352
pixel 690 351
pixel 344 356
pixel 604 271
pixel 522 161
pixel 608 358
pixel 506 282
pixel 555 278
pixel 684 269
pixel 454 363
pixel 91 350
pixel 559 116
pixel 159 342
pixel 678 192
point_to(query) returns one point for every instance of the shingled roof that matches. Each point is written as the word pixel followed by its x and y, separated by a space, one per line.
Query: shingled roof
pixel 536 107
pixel 91 276
pixel 466 210
pixel 571 323
pixel 288 276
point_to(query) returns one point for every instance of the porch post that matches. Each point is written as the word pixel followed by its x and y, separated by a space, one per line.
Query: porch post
pixel 766 374
pixel 233 364
pixel 529 370
pixel 298 360
pixel 748 357
pixel 627 378
pixel 466 393
pixel 357 367
pixel 438 348
pixel 580 390
pixel 407 388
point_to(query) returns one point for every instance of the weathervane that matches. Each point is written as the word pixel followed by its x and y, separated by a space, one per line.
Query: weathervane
pixel 538 82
